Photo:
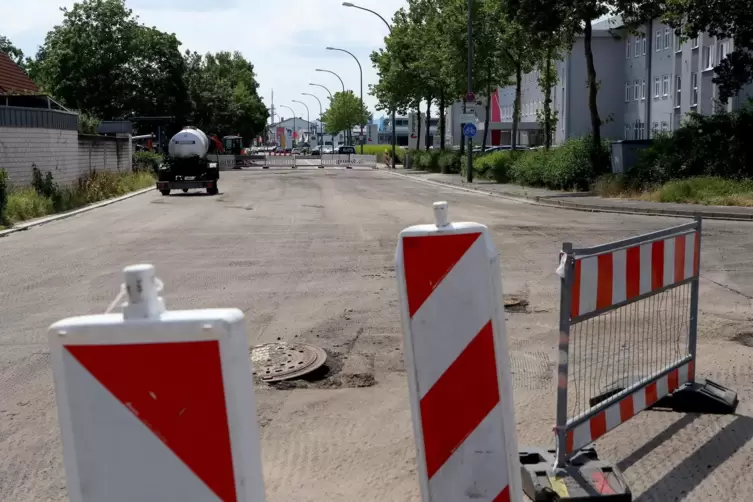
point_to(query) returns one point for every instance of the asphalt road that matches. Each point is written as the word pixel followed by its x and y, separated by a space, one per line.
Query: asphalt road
pixel 308 255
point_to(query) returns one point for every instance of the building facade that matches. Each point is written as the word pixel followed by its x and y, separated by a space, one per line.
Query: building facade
pixel 648 82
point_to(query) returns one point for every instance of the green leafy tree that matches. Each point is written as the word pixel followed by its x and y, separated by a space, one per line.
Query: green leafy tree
pixel 344 113
pixel 224 94
pixel 722 19
pixel 11 50
pixel 101 60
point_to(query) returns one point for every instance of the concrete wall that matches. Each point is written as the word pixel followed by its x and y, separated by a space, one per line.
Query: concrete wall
pixel 64 153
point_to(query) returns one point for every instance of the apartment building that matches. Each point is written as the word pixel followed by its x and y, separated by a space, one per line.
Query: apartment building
pixel 648 81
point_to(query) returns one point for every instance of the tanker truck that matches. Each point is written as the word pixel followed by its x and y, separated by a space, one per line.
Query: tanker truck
pixel 189 163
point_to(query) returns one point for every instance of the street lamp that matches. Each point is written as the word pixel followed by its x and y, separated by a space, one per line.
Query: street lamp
pixel 331 100
pixel 321 111
pixel 308 116
pixel 360 69
pixel 294 129
pixel 335 74
pixel 394 133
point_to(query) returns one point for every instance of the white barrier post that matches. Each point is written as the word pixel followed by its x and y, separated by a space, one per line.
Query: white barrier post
pixel 457 362
pixel 156 404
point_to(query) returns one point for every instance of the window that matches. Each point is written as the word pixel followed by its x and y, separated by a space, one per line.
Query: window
pixel 658 40
pixel 678 90
pixel 657 87
pixel 643 44
pixel 627 49
pixel 641 130
pixel 627 91
pixel 636 90
pixel 643 89
pixel 627 131
pixel 721 51
pixel 665 86
pixel 666 38
pixel 678 43
pixel 707 60
pixel 636 130
pixel 694 42
pixel 655 127
pixel 637 46
pixel 694 89
pixel 664 127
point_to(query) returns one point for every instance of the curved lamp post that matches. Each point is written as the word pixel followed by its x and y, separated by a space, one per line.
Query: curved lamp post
pixel 294 130
pixel 330 94
pixel 321 112
pixel 360 69
pixel 394 133
pixel 308 115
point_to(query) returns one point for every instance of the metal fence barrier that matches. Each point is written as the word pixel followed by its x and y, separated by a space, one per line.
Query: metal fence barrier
pixel 279 161
pixel 627 342
pixel 628 327
pixel 364 160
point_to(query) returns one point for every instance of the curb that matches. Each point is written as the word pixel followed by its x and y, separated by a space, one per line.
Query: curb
pixel 575 206
pixel 61 216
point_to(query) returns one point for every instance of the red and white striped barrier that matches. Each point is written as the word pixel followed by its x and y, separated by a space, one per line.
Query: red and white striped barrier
pixel 155 404
pixel 457 360
pixel 608 279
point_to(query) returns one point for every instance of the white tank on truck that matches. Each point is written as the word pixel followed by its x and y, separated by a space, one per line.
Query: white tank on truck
pixel 190 142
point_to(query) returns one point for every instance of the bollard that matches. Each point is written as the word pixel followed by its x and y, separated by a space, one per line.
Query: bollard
pixel 156 404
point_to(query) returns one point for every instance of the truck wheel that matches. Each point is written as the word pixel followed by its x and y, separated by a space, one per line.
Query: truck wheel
pixel 165 192
pixel 213 190
pixel 185 190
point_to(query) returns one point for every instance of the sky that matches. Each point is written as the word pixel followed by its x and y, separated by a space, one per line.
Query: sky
pixel 285 40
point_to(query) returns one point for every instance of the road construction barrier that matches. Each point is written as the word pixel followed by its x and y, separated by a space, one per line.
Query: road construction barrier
pixel 364 160
pixel 279 161
pixel 628 337
pixel 457 360
pixel 156 404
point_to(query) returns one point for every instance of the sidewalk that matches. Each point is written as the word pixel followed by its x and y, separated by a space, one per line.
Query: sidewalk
pixel 580 200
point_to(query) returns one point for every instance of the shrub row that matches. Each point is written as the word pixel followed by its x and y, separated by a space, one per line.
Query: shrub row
pixel 383 152
pixel 571 166
pixel 45 196
pixel 147 161
pixel 435 161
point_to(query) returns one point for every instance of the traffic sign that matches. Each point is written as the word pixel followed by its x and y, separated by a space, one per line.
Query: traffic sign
pixel 469 130
pixel 470 96
pixel 468 118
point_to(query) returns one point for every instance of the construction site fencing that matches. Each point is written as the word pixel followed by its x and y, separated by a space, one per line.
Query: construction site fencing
pixel 279 161
pixel 628 330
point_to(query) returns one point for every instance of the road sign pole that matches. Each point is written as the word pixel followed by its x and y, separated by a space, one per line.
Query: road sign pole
pixel 469 169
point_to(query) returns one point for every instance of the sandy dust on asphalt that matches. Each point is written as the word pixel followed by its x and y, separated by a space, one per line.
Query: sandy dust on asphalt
pixel 309 257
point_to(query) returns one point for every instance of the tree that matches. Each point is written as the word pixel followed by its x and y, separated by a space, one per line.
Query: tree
pixel 344 113
pixel 722 19
pixel 101 60
pixel 224 94
pixel 11 50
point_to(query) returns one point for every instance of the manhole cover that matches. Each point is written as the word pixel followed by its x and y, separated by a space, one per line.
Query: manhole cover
pixel 277 361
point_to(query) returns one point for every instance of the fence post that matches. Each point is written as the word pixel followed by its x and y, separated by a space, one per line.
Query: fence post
pixel 565 273
pixel 694 289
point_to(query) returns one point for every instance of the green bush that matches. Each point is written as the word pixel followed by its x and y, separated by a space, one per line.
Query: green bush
pixel 574 165
pixel 495 166
pixel 4 189
pixel 383 152
pixel 529 167
pixel 449 162
pixel 147 161
pixel 706 190
pixel 716 145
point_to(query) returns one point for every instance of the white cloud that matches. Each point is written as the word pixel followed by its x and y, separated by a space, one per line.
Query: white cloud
pixel 285 40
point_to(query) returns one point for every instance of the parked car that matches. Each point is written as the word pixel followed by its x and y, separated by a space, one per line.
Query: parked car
pixel 346 150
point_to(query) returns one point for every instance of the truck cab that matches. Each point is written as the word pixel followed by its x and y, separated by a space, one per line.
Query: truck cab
pixel 233 145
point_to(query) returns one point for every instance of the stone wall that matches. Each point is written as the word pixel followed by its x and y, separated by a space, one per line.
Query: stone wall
pixel 65 153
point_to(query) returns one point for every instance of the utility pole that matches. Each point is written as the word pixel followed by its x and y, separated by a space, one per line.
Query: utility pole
pixel 469 167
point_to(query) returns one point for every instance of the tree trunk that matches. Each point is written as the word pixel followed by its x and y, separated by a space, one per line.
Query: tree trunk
pixel 516 105
pixel 418 131
pixel 488 108
pixel 442 126
pixel 548 99
pixel 428 122
pixel 592 91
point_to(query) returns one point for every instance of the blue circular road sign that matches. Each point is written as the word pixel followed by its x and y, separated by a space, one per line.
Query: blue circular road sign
pixel 469 130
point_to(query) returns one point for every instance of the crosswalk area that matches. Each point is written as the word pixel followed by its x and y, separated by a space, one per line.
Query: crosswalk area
pixel 304 165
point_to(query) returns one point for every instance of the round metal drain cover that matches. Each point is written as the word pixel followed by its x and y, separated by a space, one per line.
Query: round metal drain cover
pixel 277 361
